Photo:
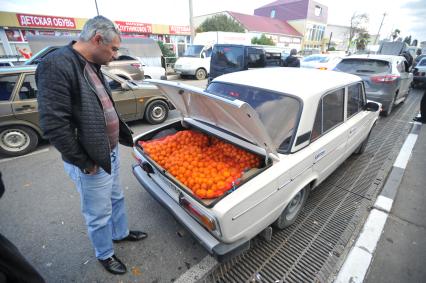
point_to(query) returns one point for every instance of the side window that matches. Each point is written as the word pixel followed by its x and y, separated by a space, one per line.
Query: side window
pixel 28 89
pixel 113 84
pixel 355 99
pixel 317 129
pixel 332 106
pixel 7 84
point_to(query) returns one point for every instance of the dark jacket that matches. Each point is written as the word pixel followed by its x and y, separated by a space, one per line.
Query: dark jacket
pixel 71 115
pixel 291 61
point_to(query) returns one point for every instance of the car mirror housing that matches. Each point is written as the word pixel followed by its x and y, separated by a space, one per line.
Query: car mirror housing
pixel 125 86
pixel 371 106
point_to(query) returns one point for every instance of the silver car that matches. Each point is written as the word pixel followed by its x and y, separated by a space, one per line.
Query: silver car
pixel 419 73
pixel 386 77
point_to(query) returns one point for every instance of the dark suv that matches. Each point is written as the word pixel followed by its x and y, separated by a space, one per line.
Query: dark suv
pixel 19 119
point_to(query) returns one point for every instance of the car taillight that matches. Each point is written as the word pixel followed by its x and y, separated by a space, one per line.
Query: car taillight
pixel 201 217
pixel 384 79
pixel 135 65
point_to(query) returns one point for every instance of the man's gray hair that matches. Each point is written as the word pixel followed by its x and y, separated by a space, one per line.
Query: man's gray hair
pixel 99 25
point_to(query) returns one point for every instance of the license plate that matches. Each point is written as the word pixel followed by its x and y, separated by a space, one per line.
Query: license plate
pixel 168 187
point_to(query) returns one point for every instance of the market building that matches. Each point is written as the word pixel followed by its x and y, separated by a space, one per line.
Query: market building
pixel 15 27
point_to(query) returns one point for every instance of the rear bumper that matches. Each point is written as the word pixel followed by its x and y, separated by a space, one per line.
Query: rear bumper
pixel 384 99
pixel 419 79
pixel 219 249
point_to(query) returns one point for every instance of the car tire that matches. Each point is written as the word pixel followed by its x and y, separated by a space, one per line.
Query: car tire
pixel 390 107
pixel 156 112
pixel 200 74
pixel 293 209
pixel 17 140
pixel 146 77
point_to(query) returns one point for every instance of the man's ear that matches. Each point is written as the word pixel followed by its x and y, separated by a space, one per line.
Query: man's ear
pixel 97 39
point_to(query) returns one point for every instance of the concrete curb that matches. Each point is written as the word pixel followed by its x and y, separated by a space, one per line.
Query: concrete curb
pixel 359 259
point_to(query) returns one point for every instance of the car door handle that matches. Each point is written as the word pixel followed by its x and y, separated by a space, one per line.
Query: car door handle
pixel 24 107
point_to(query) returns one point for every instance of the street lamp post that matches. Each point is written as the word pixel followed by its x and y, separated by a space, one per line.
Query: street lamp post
pixel 96 4
pixel 191 21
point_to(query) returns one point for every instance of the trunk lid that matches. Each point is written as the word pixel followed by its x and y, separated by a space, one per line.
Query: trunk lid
pixel 235 117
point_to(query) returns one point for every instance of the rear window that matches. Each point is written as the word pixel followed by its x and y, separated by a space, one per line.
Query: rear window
pixel 363 66
pixel 227 56
pixel 278 112
pixel 422 62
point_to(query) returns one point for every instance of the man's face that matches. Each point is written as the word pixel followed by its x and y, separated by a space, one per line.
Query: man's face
pixel 106 52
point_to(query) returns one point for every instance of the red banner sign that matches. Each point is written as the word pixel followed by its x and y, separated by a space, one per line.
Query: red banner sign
pixel 27 20
pixel 134 27
pixel 179 30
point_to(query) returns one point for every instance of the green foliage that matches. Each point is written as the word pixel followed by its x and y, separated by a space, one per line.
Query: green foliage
pixel 331 49
pixel 407 40
pixel 358 21
pixel 415 42
pixel 220 23
pixel 167 52
pixel 362 40
pixel 262 40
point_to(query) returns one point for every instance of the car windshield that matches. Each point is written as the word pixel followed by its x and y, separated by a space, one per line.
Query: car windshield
pixel 316 58
pixel 193 51
pixel 277 111
pixel 363 66
pixel 422 62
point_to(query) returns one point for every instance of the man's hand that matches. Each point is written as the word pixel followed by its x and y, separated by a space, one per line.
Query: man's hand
pixel 91 171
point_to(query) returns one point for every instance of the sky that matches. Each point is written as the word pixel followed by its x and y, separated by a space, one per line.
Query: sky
pixel 406 15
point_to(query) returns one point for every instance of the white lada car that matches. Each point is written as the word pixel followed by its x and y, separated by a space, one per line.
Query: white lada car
pixel 300 124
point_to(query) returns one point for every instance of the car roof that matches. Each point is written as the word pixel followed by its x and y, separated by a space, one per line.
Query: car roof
pixel 388 58
pixel 18 69
pixel 300 82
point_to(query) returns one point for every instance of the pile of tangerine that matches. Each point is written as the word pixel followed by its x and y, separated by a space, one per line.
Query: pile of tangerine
pixel 206 165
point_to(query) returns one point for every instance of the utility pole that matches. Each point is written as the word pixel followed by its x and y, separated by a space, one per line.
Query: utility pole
pixel 378 33
pixel 97 11
pixel 191 21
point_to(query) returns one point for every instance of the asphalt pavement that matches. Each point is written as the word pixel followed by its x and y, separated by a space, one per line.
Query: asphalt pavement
pixel 401 251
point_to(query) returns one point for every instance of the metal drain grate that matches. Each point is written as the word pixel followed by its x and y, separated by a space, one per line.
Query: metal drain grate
pixel 313 248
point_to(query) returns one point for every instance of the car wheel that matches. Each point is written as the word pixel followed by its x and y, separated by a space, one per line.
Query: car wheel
pixel 293 209
pixel 17 140
pixel 201 74
pixel 146 77
pixel 390 107
pixel 156 112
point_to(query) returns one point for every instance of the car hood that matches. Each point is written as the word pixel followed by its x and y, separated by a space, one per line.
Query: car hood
pixel 234 116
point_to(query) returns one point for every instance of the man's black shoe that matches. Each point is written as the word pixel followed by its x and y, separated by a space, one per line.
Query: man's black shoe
pixel 113 265
pixel 419 119
pixel 133 236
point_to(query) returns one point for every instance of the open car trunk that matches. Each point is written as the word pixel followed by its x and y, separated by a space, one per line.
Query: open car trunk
pixel 186 184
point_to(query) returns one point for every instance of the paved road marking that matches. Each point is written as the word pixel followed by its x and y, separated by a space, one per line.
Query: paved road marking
pixel 359 259
pixel 26 155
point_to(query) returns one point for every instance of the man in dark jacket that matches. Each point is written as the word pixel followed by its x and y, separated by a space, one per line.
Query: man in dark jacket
pixel 292 60
pixel 78 116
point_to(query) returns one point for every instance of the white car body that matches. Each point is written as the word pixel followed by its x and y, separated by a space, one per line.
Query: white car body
pixel 152 72
pixel 307 160
pixel 320 61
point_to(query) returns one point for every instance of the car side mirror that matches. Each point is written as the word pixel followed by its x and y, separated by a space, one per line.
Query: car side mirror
pixel 371 106
pixel 125 86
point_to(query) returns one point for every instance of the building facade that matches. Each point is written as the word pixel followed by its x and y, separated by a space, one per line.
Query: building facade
pixel 308 17
pixel 15 27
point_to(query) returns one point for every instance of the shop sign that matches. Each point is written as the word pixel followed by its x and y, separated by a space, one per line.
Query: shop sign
pixel 27 20
pixel 179 30
pixel 134 27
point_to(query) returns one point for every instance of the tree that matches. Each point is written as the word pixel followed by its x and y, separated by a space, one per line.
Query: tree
pixel 415 42
pixel 407 40
pixel 167 52
pixel 362 40
pixel 357 21
pixel 220 23
pixel 262 40
pixel 395 34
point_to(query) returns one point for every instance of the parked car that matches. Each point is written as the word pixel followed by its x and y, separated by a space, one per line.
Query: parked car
pixel 386 77
pixel 419 73
pixel 294 126
pixel 320 61
pixel 126 68
pixel 418 58
pixel 150 72
pixel 19 119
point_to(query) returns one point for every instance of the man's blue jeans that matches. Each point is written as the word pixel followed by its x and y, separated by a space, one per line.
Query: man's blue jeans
pixel 102 205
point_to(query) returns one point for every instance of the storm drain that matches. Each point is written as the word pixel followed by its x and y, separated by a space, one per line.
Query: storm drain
pixel 313 249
